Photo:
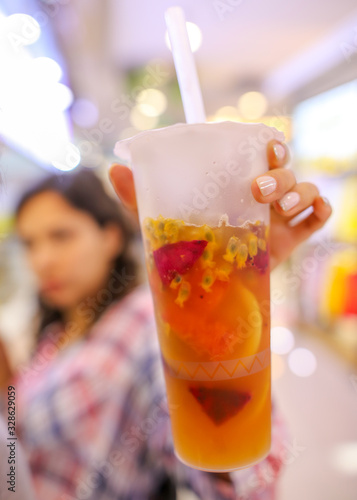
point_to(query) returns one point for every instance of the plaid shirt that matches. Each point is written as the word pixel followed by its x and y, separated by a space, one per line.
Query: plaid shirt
pixel 93 419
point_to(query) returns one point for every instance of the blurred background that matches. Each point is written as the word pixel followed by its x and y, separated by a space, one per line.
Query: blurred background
pixel 78 75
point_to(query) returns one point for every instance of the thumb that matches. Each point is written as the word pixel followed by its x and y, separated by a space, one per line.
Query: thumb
pixel 122 180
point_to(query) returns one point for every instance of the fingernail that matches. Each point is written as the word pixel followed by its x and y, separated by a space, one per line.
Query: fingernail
pixel 290 200
pixel 266 184
pixel 279 151
pixel 326 201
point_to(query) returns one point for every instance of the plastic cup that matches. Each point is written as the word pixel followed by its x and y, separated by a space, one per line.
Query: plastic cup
pixel 207 255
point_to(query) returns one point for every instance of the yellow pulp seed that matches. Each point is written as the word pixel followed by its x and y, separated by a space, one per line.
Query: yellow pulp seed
pixel 162 231
pixel 176 281
pixel 208 234
pixel 252 245
pixel 262 245
pixel 242 255
pixel 207 258
pixel 208 280
pixel 183 293
pixel 171 231
pixel 232 249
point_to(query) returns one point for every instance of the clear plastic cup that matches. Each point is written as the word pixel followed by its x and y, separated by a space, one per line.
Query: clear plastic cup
pixel 207 254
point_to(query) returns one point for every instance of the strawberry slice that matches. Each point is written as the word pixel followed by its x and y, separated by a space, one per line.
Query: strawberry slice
pixel 220 404
pixel 177 258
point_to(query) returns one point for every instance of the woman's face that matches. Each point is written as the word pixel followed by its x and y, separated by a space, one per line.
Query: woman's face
pixel 70 254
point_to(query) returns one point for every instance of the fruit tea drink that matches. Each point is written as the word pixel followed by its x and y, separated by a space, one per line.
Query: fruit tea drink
pixel 206 244
pixel 208 285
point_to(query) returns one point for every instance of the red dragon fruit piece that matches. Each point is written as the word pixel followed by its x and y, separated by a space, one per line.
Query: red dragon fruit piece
pixel 220 404
pixel 177 258
pixel 260 261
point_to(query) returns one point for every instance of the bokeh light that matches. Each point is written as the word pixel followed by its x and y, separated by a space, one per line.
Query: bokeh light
pixel 226 113
pixel 63 96
pixel 67 158
pixel 151 102
pixel 302 362
pixel 282 340
pixel 141 121
pixel 20 30
pixel 344 458
pixel 84 113
pixel 252 105
pixel 46 69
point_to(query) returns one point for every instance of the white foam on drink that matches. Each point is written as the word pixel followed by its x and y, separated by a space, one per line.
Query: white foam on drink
pixel 223 221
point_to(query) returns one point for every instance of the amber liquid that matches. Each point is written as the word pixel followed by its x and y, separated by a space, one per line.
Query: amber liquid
pixel 214 333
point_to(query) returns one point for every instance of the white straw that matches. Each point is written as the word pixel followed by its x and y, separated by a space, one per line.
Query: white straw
pixel 185 66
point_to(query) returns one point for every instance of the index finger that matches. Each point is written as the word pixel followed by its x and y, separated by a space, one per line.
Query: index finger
pixel 277 154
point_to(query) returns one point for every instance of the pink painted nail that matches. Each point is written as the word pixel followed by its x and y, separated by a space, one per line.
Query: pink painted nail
pixel 289 201
pixel 279 151
pixel 266 184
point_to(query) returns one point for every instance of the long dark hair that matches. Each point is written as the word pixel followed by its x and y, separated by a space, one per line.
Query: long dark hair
pixel 83 190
